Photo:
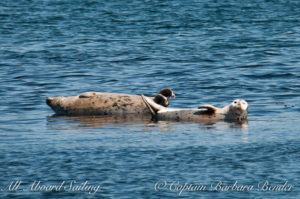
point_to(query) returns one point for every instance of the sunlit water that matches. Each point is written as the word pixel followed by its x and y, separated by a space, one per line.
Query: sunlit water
pixel 208 52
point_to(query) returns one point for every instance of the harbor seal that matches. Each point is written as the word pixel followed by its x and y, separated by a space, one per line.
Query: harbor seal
pixel 115 104
pixel 163 97
pixel 98 103
pixel 236 111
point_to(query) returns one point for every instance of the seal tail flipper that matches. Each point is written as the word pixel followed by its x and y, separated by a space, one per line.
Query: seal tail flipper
pixel 209 108
pixel 152 105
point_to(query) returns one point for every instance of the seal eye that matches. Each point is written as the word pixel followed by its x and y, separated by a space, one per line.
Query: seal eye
pixel 234 102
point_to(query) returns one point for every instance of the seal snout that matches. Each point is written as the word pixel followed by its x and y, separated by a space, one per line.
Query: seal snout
pixel 241 104
pixel 49 101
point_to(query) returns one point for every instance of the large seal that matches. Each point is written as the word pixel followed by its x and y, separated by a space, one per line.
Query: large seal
pixel 236 111
pixel 98 103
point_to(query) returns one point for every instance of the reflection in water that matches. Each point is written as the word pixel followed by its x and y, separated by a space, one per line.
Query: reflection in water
pixel 66 122
pixel 226 125
pixel 240 128
pixel 96 121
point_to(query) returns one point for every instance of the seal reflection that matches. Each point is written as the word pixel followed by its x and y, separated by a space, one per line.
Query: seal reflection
pixel 131 120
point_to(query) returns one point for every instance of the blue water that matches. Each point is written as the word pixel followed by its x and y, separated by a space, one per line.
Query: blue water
pixel 208 52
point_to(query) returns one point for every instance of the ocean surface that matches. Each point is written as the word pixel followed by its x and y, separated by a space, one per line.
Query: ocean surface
pixel 207 51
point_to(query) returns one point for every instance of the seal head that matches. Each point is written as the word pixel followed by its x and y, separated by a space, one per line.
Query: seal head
pixel 163 97
pixel 237 110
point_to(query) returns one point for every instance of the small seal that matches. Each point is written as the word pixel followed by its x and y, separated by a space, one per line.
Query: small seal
pixel 236 111
pixel 163 97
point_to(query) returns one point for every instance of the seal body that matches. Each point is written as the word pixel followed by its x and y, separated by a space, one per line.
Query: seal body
pixel 188 115
pixel 237 111
pixel 98 103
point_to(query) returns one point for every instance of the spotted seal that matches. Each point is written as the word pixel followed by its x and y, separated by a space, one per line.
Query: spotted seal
pixel 99 103
pixel 235 111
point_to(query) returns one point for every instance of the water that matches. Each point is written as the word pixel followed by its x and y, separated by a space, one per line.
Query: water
pixel 208 52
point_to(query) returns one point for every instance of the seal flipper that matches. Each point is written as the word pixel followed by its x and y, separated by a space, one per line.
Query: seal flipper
pixel 152 104
pixel 87 95
pixel 209 109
